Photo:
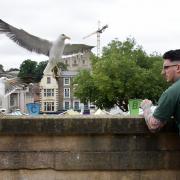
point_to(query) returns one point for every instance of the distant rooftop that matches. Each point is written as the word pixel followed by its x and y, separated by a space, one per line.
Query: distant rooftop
pixel 69 73
pixel 9 74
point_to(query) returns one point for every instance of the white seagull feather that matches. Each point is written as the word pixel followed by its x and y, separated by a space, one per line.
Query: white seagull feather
pixel 54 50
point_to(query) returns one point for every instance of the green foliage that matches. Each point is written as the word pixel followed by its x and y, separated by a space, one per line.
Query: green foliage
pixel 124 71
pixel 31 71
pixel 39 70
pixel 62 66
pixel 27 71
pixel 86 92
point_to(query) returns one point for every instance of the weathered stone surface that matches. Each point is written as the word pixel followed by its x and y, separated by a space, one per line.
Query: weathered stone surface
pixel 117 160
pixel 91 143
pixel 26 160
pixel 159 175
pixel 107 148
pixel 126 160
pixel 78 125
pixel 88 175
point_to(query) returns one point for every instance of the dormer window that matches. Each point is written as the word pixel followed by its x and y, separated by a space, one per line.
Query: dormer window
pixel 66 81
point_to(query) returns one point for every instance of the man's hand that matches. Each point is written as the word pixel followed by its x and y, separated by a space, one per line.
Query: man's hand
pixel 146 104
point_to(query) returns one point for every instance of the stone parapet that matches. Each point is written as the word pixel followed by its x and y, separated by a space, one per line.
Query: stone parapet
pixel 87 147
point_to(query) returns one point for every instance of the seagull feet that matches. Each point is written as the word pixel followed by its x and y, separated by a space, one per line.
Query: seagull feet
pixel 56 72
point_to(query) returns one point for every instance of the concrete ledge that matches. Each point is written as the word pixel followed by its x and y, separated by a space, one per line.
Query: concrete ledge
pixel 88 146
pixel 75 125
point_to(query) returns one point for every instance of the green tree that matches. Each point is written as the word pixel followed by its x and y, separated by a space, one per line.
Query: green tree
pixel 124 71
pixel 42 65
pixel 39 70
pixel 62 66
pixel 31 71
pixel 28 71
pixel 84 87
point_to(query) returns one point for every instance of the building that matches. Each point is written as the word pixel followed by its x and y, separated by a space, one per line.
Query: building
pixel 19 94
pixel 57 96
pixel 17 99
pixel 67 100
pixel 78 61
pixel 48 94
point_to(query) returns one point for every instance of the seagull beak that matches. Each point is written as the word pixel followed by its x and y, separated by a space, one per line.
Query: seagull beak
pixel 68 37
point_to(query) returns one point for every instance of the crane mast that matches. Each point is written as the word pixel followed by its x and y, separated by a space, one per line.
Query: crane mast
pixel 98 32
pixel 98 40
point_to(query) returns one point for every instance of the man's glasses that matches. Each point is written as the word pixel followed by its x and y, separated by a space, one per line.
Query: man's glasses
pixel 166 67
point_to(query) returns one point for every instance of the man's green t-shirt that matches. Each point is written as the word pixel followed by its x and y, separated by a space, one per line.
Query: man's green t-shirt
pixel 169 104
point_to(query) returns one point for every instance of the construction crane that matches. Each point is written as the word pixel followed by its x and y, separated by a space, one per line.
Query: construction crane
pixel 99 31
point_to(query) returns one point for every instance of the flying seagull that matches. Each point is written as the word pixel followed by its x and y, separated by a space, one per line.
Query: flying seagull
pixel 54 50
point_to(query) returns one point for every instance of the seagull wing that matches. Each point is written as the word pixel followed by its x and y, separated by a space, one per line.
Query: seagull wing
pixel 76 48
pixel 26 40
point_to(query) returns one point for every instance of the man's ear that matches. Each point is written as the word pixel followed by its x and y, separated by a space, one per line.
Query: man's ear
pixel 178 68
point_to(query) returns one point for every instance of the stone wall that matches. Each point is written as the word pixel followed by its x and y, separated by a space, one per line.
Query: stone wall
pixel 87 148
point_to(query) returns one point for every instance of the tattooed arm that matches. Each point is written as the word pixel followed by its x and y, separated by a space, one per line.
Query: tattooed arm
pixel 152 123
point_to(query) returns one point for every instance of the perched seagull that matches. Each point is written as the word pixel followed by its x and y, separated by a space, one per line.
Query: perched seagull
pixel 54 50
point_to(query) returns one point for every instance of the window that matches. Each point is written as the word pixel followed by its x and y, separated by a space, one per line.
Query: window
pixel 67 92
pixel 66 105
pixel 48 92
pixel 66 81
pixel 49 106
pixel 76 105
pixel 48 80
pixel 13 99
pixel 75 63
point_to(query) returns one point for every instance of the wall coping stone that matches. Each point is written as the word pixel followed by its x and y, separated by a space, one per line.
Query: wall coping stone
pixel 76 125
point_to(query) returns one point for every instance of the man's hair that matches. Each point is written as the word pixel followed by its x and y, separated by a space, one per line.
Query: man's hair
pixel 172 55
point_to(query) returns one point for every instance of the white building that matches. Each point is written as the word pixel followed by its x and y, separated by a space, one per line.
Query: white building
pixel 58 96
pixel 17 99
pixel 48 94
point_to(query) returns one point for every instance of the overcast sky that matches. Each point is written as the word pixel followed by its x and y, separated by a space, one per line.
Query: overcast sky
pixel 155 24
